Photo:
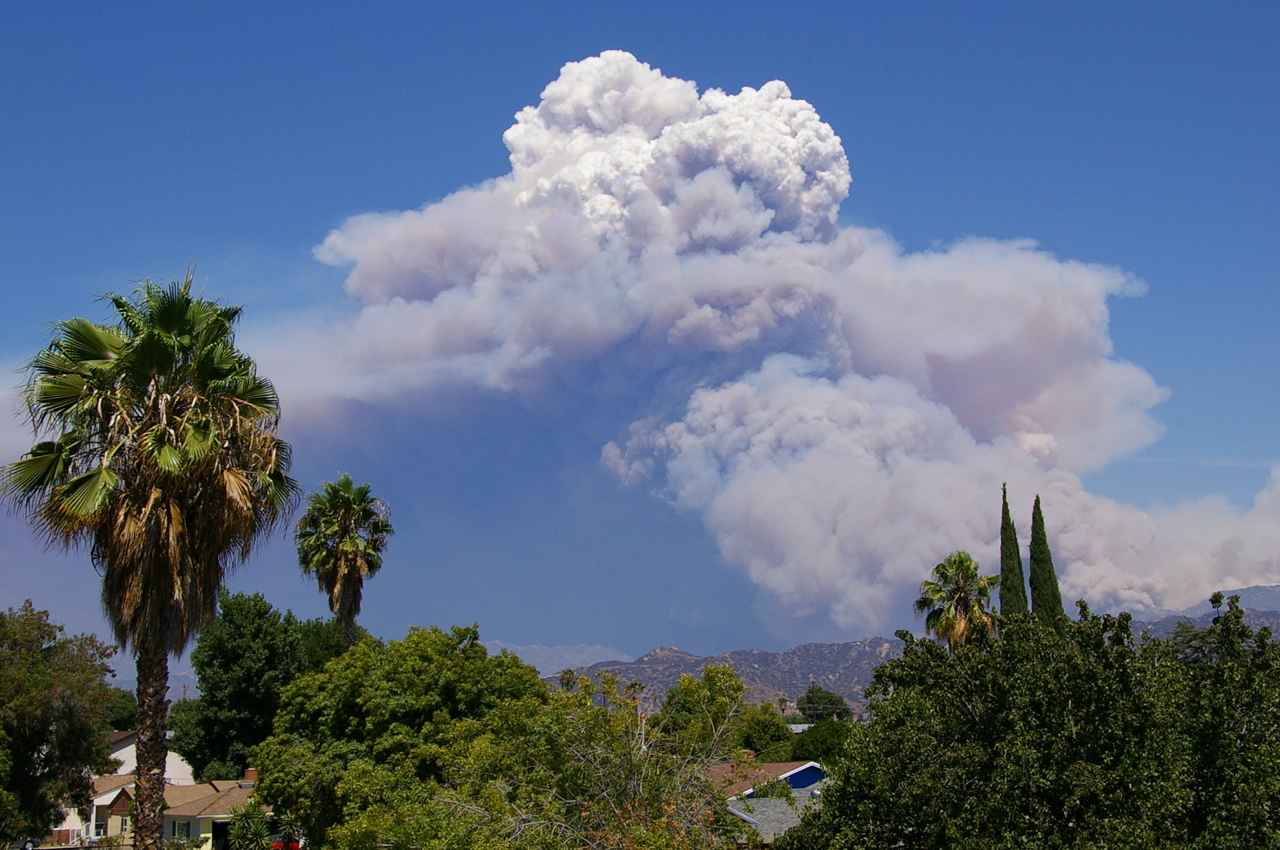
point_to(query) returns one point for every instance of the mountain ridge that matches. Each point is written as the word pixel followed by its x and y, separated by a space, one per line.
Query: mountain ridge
pixel 843 668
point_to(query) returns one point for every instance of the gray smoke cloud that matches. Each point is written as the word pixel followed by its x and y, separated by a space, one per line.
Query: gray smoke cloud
pixel 841 413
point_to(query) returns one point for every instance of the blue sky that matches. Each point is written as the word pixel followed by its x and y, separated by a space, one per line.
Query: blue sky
pixel 143 137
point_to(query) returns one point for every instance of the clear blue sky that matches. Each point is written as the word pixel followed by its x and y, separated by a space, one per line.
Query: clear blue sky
pixel 136 138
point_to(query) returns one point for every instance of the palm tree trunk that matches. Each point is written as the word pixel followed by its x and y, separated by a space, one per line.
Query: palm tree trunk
pixel 152 748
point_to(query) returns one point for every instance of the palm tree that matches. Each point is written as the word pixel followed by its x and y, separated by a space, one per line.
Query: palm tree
pixel 340 541
pixel 160 454
pixel 955 602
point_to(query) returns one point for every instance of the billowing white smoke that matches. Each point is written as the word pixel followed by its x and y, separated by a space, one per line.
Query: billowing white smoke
pixel 841 414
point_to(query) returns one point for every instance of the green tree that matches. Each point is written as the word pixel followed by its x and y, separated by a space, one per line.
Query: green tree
pixel 54 710
pixel 161 455
pixel 321 641
pixel 582 767
pixel 123 715
pixel 1046 597
pixel 242 659
pixel 818 704
pixel 1013 583
pixel 380 718
pixel 1228 710
pixel 955 601
pixel 762 730
pixel 1030 740
pixel 340 541
pixel 822 742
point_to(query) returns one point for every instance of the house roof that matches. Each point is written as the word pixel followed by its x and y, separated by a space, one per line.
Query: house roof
pixel 107 784
pixel 119 739
pixel 772 816
pixel 183 795
pixel 213 805
pixel 758 773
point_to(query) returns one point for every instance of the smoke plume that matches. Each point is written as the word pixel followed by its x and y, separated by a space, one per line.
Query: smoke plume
pixel 840 413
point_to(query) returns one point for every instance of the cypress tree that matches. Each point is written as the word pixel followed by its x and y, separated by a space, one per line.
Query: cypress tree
pixel 1013 584
pixel 1046 598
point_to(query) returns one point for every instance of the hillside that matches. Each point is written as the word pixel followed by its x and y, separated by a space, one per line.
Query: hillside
pixel 1163 627
pixel 843 668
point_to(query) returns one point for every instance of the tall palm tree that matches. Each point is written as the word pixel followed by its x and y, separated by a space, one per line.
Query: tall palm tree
pixel 161 455
pixel 956 600
pixel 340 541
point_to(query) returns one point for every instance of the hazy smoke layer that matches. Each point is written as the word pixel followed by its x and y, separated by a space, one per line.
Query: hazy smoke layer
pixel 842 414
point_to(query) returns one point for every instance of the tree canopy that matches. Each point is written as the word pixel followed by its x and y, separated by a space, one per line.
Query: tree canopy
pixel 763 731
pixel 55 708
pixel 1086 739
pixel 380 716
pixel 243 660
pixel 818 704
pixel 822 742
pixel 430 742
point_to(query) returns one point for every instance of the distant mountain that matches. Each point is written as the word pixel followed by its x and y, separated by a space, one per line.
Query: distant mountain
pixel 1163 627
pixel 843 668
pixel 847 668
pixel 1264 597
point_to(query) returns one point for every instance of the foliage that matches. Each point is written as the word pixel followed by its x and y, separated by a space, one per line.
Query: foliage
pixel 1046 596
pixel 158 449
pixel 430 742
pixel 956 599
pixel 584 769
pixel 177 843
pixel 183 722
pixel 1085 739
pixel 249 829
pixel 243 659
pixel 321 641
pixel 761 730
pixel 700 711
pixel 1230 705
pixel 822 742
pixel 817 704
pixel 54 719
pixel 123 711
pixel 340 541
pixel 379 718
pixel 1013 583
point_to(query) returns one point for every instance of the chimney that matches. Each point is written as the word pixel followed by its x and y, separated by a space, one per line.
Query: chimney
pixel 250 778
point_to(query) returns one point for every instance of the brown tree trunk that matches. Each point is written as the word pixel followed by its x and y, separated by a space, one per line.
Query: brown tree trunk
pixel 152 748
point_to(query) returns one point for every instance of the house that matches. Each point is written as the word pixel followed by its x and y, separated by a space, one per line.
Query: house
pixel 199 812
pixel 206 818
pixel 109 813
pixel 771 816
pixel 124 748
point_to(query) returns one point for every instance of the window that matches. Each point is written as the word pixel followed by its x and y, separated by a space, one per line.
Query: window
pixel 124 825
pixel 100 829
pixel 181 829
